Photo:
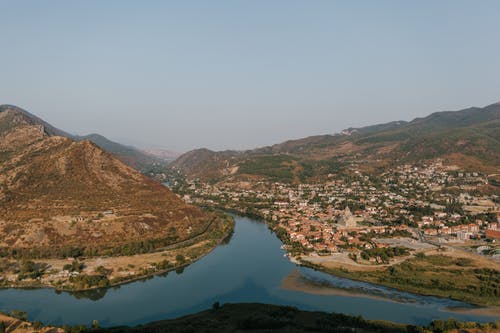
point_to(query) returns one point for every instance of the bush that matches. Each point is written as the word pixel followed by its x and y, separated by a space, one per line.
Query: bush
pixel 88 281
pixel 75 266
pixel 21 315
pixel 180 259
pixel 420 255
pixel 102 270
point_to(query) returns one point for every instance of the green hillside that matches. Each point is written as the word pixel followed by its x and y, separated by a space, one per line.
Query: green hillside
pixel 471 136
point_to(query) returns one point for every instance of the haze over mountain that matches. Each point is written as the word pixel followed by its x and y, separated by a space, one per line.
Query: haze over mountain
pixel 56 193
pixel 247 74
pixel 164 154
pixel 132 156
pixel 469 138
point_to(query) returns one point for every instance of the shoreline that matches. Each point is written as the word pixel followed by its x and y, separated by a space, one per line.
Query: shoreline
pixel 488 311
pixel 477 309
pixel 228 317
pixel 321 268
pixel 131 280
pixel 296 282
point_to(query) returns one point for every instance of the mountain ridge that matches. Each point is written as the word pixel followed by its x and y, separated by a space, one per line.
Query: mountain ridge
pixel 130 155
pixel 471 133
pixel 58 194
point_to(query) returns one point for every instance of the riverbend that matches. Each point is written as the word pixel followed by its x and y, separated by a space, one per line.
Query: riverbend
pixel 251 267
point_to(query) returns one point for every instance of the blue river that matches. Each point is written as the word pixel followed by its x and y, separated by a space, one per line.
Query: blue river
pixel 250 267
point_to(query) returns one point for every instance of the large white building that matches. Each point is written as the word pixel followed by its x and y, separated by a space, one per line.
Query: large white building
pixel 346 220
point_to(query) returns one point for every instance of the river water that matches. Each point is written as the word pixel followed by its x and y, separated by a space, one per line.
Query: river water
pixel 249 268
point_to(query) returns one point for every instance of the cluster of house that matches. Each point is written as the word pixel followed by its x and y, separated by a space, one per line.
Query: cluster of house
pixel 58 276
pixel 329 233
pixel 348 211
pixel 478 229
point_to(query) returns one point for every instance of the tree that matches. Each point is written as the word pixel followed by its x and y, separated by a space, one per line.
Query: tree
pixel 37 325
pixel 420 255
pixel 437 326
pixel 75 266
pixel 180 258
pixel 21 315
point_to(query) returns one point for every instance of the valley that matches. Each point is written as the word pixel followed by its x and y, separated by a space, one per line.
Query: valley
pixel 249 267
pixel 468 138
pixel 249 166
pixel 405 230
pixel 79 220
pixel 71 201
pixel 371 204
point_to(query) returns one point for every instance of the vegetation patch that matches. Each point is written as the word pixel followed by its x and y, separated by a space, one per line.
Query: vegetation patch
pixel 437 275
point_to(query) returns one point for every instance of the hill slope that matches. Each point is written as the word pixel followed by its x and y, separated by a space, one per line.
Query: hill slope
pixel 469 138
pixel 132 156
pixel 129 155
pixel 56 193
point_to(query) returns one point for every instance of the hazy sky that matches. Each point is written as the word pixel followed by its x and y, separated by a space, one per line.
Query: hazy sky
pixel 241 74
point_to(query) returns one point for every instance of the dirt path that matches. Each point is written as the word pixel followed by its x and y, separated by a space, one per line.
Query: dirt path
pixel 13 325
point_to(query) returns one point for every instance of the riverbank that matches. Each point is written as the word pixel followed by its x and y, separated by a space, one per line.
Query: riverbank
pixel 445 272
pixel 296 282
pixel 256 317
pixel 84 274
pixel 493 311
pixel 11 324
pixel 434 274
pixel 249 268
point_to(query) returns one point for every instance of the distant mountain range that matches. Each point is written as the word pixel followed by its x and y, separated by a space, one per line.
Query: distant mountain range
pixel 129 155
pixel 57 193
pixel 469 138
pixel 163 154
pixel 134 157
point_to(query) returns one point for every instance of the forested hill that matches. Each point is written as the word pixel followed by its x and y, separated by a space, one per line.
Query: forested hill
pixel 469 138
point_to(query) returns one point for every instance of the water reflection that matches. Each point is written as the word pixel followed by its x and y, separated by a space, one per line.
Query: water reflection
pixel 250 267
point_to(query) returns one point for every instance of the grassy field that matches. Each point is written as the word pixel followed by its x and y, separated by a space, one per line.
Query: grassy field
pixel 439 275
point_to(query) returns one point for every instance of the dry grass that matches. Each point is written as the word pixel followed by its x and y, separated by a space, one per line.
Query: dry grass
pixel 13 325
pixel 54 192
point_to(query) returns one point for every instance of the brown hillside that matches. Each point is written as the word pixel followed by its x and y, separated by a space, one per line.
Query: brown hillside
pixel 56 193
pixel 472 133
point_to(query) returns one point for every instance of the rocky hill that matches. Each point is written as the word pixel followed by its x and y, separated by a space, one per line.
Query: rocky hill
pixel 468 138
pixel 58 196
pixel 131 156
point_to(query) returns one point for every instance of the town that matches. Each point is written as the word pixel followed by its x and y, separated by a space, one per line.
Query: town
pixel 367 219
